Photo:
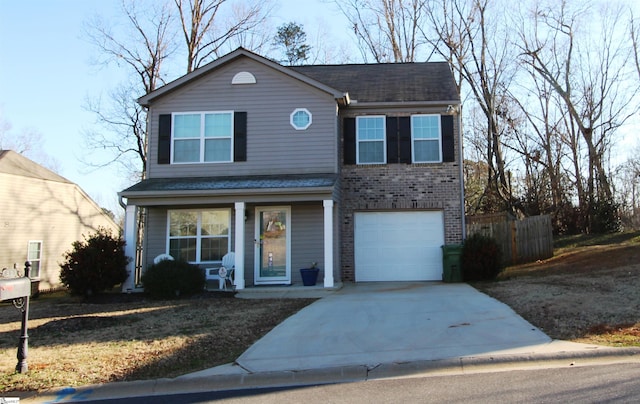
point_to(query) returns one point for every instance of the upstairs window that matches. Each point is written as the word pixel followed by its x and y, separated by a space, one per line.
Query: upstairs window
pixel 202 137
pixel 425 139
pixel 419 138
pixel 370 140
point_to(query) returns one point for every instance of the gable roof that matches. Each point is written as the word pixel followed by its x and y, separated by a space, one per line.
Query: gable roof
pixel 424 82
pixel 388 82
pixel 16 164
pixel 223 60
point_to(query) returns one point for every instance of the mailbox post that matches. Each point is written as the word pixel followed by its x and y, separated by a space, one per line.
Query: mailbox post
pixel 19 289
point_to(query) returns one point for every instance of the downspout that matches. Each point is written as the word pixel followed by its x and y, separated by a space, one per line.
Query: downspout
pixel 121 202
pixel 460 151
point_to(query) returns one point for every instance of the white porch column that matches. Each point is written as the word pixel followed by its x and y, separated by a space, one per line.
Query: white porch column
pixel 130 232
pixel 328 243
pixel 239 245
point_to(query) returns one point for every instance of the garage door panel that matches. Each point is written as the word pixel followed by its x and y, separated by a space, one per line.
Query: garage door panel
pixel 398 246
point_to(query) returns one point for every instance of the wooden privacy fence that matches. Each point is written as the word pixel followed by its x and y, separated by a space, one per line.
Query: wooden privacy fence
pixel 526 240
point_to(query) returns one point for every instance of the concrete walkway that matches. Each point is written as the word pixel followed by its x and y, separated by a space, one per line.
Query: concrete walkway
pixel 376 330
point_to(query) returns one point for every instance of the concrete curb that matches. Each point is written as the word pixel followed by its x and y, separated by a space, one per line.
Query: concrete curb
pixel 233 380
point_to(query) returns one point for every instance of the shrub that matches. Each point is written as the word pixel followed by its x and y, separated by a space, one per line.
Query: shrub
pixel 94 265
pixel 481 258
pixel 169 279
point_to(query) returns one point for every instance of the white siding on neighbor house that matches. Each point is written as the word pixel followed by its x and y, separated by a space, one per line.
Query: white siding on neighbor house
pixel 273 145
pixel 56 213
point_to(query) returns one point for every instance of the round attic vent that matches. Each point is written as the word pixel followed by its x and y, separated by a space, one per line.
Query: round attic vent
pixel 243 78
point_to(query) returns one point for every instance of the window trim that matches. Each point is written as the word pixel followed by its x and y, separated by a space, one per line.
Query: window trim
pixel 202 137
pixel 383 140
pixel 295 111
pixel 413 140
pixel 198 235
pixel 39 260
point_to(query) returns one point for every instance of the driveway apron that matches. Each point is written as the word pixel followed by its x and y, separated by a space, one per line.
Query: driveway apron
pixel 374 323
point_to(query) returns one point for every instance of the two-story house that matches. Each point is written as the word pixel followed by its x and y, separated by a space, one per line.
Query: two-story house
pixel 42 215
pixel 355 167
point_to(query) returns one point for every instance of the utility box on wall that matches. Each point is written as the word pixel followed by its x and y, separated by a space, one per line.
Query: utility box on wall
pixel 14 288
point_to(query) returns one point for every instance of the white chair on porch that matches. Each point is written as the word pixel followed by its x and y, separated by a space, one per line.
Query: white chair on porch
pixel 225 272
pixel 162 257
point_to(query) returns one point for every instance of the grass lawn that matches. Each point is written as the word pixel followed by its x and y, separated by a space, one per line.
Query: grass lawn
pixel 121 337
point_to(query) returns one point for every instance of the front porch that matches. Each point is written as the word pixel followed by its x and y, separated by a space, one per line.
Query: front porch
pixel 268 253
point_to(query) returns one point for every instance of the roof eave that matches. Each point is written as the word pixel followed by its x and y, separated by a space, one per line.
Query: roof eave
pixel 401 104
pixel 147 99
pixel 225 192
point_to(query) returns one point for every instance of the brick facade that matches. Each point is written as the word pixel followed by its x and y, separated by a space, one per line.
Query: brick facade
pixel 397 187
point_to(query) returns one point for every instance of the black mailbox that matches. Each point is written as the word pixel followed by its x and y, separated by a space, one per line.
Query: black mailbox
pixel 15 288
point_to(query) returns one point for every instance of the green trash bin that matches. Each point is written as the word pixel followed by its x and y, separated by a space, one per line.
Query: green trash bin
pixel 451 265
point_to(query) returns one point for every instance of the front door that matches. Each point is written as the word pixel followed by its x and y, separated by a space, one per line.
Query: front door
pixel 273 245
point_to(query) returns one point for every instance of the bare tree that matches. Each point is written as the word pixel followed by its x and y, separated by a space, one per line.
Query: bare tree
pixel 545 145
pixel 205 32
pixel 466 34
pixel 27 142
pixel 588 70
pixel 258 38
pixel 635 40
pixel 628 190
pixel 142 47
pixel 122 130
pixel 386 30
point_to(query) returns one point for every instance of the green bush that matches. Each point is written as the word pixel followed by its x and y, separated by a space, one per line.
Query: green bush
pixel 94 265
pixel 169 279
pixel 481 258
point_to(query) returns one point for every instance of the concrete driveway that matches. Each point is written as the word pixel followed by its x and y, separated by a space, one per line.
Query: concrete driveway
pixel 369 331
pixel 375 323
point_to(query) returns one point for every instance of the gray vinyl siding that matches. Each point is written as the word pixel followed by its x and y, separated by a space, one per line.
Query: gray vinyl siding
pixel 307 238
pixel 273 145
pixel 155 234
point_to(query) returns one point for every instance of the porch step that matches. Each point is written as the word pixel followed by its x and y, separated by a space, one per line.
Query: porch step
pixel 287 292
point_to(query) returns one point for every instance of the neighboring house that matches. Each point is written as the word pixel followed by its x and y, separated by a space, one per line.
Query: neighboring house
pixel 356 167
pixel 42 215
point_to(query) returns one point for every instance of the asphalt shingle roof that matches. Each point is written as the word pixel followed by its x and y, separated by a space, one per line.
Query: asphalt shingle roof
pixel 388 82
pixel 233 183
pixel 16 164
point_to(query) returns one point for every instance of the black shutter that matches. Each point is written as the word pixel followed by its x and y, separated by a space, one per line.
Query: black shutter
pixel 349 133
pixel 448 148
pixel 240 136
pixel 404 139
pixel 392 140
pixel 164 139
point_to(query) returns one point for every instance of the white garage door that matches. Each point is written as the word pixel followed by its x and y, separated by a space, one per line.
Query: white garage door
pixel 398 246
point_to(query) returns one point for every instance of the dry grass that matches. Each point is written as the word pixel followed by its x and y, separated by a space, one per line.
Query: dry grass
pixel 588 292
pixel 125 337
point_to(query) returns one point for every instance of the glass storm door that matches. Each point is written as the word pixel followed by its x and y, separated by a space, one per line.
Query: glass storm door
pixel 273 245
